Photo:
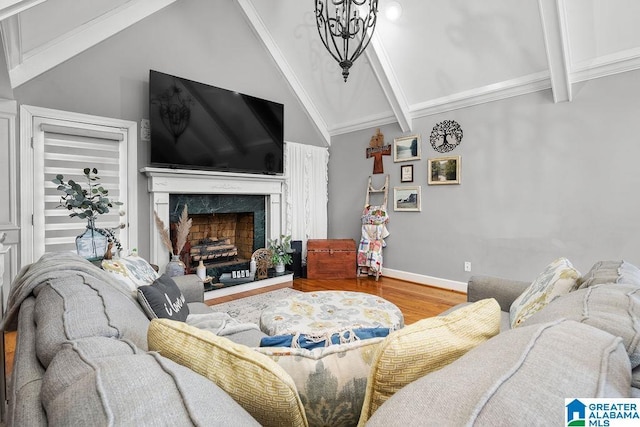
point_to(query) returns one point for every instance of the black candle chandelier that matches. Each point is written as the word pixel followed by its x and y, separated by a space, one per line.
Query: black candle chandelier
pixel 341 22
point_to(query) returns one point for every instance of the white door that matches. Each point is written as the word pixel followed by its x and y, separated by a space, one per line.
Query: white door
pixel 56 142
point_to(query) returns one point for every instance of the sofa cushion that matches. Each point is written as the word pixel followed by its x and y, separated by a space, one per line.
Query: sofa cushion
pixel 331 381
pixel 425 346
pixel 163 299
pixel 253 380
pixel 131 271
pixel 558 278
pixel 614 308
pixel 493 383
pixel 106 381
pixel 80 306
pixel 611 272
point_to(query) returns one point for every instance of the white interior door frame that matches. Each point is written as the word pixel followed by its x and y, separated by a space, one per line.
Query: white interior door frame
pixel 30 237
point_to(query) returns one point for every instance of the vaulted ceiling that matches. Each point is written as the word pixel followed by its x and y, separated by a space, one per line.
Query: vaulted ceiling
pixel 439 55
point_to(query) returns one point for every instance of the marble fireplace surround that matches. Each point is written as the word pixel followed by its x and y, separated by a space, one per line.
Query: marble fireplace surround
pixel 164 182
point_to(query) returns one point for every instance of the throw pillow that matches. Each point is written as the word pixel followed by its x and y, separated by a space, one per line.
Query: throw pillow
pixel 163 299
pixel 558 278
pixel 611 272
pixel 252 379
pixel 132 271
pixel 331 381
pixel 426 346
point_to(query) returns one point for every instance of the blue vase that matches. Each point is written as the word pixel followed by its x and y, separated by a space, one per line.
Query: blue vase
pixel 91 244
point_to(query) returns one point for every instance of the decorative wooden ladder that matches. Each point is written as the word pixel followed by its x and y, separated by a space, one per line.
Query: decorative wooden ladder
pixel 363 269
pixel 384 189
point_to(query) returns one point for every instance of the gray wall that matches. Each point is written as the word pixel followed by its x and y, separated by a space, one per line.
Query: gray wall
pixel 209 42
pixel 539 180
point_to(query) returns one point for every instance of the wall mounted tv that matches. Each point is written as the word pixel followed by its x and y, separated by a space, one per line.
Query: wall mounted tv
pixel 198 126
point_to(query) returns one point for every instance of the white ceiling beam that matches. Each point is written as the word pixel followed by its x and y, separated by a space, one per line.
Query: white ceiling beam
pixel 556 39
pixel 9 8
pixel 68 45
pixel 384 72
pixel 261 30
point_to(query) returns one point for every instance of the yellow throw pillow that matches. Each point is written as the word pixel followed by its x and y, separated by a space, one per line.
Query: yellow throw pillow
pixel 426 346
pixel 252 379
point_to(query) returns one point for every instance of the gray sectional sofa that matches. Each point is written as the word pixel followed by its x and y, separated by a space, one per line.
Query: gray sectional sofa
pixel 585 344
pixel 81 359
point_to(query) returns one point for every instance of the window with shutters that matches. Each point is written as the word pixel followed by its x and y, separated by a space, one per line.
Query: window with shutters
pixel 62 143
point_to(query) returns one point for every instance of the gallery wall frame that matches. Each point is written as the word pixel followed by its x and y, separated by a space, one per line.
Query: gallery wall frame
pixel 406 148
pixel 406 173
pixel 407 199
pixel 444 170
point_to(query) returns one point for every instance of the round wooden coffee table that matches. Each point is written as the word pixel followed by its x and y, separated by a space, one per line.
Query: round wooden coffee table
pixel 315 312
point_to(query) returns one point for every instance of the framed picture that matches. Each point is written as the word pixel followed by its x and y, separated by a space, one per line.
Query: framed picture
pixel 406 173
pixel 406 199
pixel 406 148
pixel 444 170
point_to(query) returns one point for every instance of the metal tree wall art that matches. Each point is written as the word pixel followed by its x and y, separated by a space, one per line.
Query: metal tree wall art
pixel 446 136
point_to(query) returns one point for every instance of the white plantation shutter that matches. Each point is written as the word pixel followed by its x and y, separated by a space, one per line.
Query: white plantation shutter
pixel 67 147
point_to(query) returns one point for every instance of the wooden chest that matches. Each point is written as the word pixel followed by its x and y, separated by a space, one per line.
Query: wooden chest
pixel 331 259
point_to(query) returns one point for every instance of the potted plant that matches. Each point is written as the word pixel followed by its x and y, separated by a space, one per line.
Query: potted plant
pixel 88 203
pixel 280 252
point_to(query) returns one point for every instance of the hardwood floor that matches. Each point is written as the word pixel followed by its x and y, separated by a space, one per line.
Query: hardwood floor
pixel 415 301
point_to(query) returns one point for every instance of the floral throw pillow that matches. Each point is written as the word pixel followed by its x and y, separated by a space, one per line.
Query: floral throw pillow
pixel 557 279
pixel 132 271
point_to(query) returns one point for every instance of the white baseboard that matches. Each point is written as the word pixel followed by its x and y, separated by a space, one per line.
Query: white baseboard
pixel 425 280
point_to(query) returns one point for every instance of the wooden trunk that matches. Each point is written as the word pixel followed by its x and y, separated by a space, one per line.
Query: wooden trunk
pixel 331 259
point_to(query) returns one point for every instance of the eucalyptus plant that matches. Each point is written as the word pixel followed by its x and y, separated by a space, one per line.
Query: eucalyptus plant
pixel 84 203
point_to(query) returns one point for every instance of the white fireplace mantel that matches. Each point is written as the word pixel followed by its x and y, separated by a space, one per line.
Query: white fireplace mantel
pixel 164 182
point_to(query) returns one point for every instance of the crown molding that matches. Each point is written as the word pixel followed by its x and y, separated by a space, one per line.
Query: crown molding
pixel 607 65
pixel 489 93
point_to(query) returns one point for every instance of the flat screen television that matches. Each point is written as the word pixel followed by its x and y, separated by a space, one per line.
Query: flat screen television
pixel 199 126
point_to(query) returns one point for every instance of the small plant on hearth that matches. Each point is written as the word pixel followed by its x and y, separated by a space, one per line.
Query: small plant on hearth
pixel 281 250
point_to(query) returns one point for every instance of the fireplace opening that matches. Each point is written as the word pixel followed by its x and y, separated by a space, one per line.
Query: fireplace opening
pixel 223 241
pixel 225 231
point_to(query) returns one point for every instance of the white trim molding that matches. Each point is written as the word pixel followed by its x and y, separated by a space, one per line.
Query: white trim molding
pixel 425 280
pixel 70 44
pixel 263 34
pixel 28 114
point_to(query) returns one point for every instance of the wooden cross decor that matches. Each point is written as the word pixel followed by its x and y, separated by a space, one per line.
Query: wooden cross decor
pixel 377 149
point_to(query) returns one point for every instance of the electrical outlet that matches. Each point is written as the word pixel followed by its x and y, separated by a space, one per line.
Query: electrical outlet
pixel 467 266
